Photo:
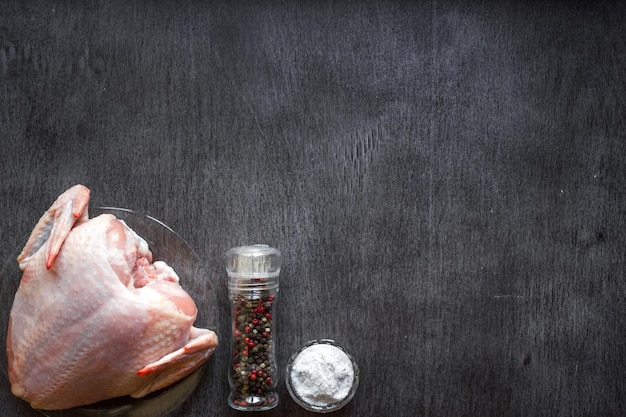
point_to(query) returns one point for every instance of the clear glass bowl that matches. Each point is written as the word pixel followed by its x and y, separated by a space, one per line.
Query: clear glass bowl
pixel 165 245
pixel 331 406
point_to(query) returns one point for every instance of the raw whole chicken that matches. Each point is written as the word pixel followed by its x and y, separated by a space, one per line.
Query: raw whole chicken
pixel 94 317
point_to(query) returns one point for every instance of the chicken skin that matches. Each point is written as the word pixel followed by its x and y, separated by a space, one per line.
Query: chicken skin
pixel 94 316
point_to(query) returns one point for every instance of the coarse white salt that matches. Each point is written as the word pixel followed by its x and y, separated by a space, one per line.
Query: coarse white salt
pixel 322 375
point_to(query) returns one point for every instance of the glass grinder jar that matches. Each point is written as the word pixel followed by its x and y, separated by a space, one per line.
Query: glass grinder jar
pixel 252 288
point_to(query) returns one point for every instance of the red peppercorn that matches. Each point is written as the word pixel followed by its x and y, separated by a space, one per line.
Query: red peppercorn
pixel 268 316
pixel 268 380
pixel 255 321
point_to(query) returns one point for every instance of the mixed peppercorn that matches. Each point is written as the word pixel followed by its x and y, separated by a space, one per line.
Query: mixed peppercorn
pixel 252 364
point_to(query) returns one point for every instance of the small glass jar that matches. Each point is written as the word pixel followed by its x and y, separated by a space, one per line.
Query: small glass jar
pixel 253 289
pixel 322 376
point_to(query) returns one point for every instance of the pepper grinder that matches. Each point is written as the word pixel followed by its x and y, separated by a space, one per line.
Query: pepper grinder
pixel 252 288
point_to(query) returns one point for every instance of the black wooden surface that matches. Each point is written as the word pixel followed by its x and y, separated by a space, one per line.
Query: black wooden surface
pixel 445 179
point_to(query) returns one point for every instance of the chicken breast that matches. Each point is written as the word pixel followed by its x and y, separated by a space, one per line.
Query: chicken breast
pixel 94 317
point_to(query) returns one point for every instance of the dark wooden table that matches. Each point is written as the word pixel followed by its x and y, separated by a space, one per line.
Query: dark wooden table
pixel 446 180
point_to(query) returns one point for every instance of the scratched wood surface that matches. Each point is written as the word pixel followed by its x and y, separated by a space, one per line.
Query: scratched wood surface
pixel 445 179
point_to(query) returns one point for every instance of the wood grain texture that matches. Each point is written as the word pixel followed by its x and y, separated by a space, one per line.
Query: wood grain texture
pixel 445 179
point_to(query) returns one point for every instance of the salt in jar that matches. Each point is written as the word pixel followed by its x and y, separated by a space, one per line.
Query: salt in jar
pixel 322 376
